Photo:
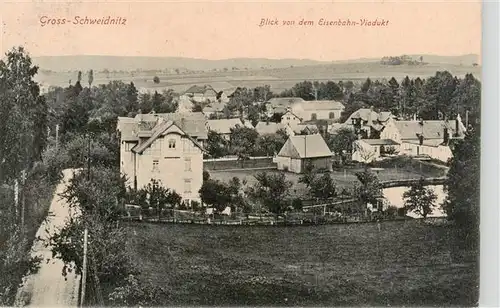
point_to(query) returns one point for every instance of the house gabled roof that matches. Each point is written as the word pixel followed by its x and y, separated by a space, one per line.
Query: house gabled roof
pixel 290 112
pixel 379 141
pixel 157 132
pixel 284 101
pixel 433 129
pixel 214 107
pixel 199 89
pixel 369 115
pixel 223 126
pixel 264 128
pixel 319 105
pixel 305 146
pixel 308 127
pixel 143 125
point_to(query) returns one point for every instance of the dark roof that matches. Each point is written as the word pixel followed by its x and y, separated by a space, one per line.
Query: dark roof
pixel 157 131
pixel 199 89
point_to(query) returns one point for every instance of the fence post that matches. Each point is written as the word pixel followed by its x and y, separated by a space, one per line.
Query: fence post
pixel 84 269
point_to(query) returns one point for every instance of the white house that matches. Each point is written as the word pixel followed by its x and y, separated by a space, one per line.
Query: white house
pixel 368 150
pixel 368 122
pixel 164 147
pixel 298 151
pixel 429 138
pixel 289 118
pixel 201 94
pixel 265 128
pixel 318 110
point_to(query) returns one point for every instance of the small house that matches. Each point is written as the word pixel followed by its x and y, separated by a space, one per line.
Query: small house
pixel 299 151
pixel 368 150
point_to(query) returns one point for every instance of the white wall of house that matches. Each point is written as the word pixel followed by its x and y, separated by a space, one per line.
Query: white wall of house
pixel 307 115
pixel 440 152
pixel 172 159
pixel 127 161
pixel 288 164
pixel 290 119
pixel 390 131
pixel 364 152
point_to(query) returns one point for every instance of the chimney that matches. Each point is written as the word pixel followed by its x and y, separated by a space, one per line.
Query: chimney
pixel 446 135
pixel 420 139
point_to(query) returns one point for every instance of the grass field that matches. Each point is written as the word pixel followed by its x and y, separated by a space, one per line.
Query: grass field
pixel 278 78
pixel 406 263
pixel 343 180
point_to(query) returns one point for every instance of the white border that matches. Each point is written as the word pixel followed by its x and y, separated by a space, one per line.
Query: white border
pixel 490 219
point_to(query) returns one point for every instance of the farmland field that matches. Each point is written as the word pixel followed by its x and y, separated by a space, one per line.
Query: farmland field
pixel 405 263
pixel 278 78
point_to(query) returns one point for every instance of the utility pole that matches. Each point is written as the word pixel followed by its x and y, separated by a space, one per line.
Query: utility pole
pixel 88 159
pixel 57 137
pixel 23 199
pixel 84 268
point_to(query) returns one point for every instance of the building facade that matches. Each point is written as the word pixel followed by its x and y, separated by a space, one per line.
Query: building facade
pixel 163 151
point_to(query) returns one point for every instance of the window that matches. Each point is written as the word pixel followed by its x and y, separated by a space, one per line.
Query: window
pixel 314 116
pixel 187 164
pixel 332 115
pixel 128 146
pixel 171 143
pixel 187 186
pixel 156 164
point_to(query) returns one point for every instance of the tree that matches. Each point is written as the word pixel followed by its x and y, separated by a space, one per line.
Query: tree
pixel 91 77
pixel 463 185
pixel 304 90
pixel 323 187
pixel 156 79
pixel 419 199
pixel 23 115
pixel 159 196
pixel 370 188
pixel 216 194
pixel 308 176
pixel 270 144
pixel 366 86
pixel 216 145
pixel 272 190
pixel 341 142
pixel 243 141
pixel 79 79
pixel 351 107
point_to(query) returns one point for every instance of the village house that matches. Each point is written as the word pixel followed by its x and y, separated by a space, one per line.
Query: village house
pixel 430 138
pixel 289 118
pixel 280 105
pixel 165 147
pixel 266 128
pixel 368 123
pixel 368 150
pixel 318 110
pixel 214 109
pixel 299 151
pixel 223 126
pixel 201 94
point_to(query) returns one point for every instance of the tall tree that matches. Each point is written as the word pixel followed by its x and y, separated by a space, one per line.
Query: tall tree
pixel 272 190
pixel 23 115
pixel 323 187
pixel 419 199
pixel 91 77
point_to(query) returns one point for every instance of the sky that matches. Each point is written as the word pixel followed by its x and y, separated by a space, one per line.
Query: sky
pixel 230 29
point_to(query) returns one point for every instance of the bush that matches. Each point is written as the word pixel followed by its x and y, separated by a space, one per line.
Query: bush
pixel 138 293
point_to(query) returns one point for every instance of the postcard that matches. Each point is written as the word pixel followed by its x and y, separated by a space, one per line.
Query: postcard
pixel 249 153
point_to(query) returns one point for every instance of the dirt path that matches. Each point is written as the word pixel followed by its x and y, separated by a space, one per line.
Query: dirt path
pixel 48 287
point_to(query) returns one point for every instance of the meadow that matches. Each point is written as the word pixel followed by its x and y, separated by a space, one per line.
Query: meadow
pixel 399 263
pixel 278 78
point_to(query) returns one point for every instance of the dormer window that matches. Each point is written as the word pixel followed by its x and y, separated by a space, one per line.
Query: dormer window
pixel 171 143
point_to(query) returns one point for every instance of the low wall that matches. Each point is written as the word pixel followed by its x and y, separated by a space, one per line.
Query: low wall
pixel 234 163
pixel 409 182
